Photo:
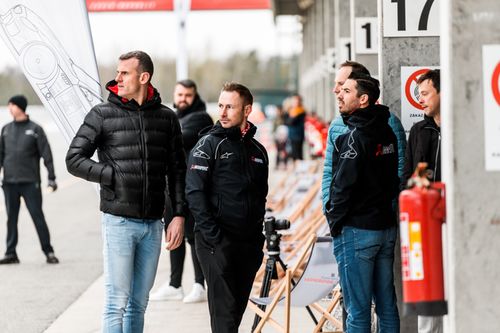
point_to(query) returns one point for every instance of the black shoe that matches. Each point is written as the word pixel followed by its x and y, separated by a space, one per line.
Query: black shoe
pixel 51 258
pixel 9 259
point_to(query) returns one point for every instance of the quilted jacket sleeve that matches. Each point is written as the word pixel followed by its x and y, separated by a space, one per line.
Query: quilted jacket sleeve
pixel 78 158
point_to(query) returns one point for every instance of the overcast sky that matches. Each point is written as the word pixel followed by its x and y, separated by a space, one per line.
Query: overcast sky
pixel 209 34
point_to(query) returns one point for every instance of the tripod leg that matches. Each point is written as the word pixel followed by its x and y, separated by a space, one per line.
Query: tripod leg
pixel 266 286
pixel 313 317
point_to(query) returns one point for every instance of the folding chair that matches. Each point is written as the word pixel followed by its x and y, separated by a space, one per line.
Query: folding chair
pixel 318 279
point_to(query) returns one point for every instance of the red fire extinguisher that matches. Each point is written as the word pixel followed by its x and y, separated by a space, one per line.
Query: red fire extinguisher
pixel 422 213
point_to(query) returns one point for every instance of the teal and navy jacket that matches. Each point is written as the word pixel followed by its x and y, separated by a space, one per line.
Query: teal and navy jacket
pixel 337 128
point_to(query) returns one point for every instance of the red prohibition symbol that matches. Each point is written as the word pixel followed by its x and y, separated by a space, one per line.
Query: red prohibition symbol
pixel 495 84
pixel 408 93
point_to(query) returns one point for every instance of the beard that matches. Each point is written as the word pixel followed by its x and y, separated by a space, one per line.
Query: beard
pixel 183 106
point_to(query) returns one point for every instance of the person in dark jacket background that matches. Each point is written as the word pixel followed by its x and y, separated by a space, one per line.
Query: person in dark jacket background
pixel 193 117
pixel 424 142
pixel 424 145
pixel 139 144
pixel 295 120
pixel 22 144
pixel 360 214
pixel 226 189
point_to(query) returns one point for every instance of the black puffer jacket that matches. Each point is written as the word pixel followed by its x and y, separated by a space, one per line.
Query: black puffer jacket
pixel 137 146
pixel 226 184
pixel 193 119
pixel 365 172
pixel 424 145
pixel 21 146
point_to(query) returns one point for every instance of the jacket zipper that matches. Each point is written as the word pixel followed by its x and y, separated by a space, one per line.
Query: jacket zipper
pixel 143 161
pixel 437 152
pixel 16 136
pixel 245 162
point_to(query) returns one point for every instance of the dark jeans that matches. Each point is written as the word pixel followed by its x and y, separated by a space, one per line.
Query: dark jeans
pixel 297 153
pixel 366 259
pixel 229 269
pixel 177 257
pixel 32 196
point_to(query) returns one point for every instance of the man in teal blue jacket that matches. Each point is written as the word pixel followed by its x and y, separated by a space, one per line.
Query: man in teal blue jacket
pixel 337 127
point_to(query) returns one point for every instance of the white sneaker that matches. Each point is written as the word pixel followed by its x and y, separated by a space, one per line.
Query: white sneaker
pixel 197 294
pixel 167 293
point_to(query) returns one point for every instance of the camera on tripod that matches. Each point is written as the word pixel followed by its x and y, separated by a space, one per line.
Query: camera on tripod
pixel 272 237
pixel 273 252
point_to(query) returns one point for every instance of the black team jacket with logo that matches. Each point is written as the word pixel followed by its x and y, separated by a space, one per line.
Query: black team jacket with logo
pixel 22 144
pixel 365 172
pixel 226 184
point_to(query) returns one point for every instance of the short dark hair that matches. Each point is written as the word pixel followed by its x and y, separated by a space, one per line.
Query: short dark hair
pixel 243 91
pixel 187 83
pixel 366 84
pixel 356 67
pixel 434 75
pixel 145 62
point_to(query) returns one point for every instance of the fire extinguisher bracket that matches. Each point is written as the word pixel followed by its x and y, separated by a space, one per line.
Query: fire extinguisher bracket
pixel 431 308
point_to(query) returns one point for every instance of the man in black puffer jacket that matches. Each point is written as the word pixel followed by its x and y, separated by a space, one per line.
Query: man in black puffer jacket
pixel 226 188
pixel 139 144
pixel 193 117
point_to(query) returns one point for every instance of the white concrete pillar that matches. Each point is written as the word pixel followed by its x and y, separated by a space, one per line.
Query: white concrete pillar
pixel 364 32
pixel 470 107
pixel 343 41
pixel 404 40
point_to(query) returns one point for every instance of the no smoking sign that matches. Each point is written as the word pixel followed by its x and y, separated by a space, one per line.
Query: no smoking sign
pixel 491 92
pixel 495 85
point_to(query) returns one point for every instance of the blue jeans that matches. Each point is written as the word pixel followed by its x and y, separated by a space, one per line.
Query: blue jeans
pixel 366 262
pixel 131 249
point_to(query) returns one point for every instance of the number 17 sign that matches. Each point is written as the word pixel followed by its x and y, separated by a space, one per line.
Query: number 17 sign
pixel 410 18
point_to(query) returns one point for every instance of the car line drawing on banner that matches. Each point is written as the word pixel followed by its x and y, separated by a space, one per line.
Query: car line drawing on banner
pixel 67 88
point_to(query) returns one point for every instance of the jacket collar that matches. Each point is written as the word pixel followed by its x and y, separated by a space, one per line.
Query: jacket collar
pixel 373 115
pixel 232 133
pixel 429 121
pixel 152 99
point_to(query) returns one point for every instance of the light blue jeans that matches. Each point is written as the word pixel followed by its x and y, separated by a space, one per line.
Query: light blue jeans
pixel 131 248
pixel 366 261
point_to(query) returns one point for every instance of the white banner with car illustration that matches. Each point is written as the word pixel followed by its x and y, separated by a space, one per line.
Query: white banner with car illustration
pixel 52 43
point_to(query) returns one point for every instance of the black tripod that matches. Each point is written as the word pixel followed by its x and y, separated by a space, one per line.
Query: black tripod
pixel 270 270
pixel 273 251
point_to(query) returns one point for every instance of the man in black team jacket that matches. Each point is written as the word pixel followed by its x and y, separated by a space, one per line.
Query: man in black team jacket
pixel 360 213
pixel 139 144
pixel 424 145
pixel 22 144
pixel 193 117
pixel 226 189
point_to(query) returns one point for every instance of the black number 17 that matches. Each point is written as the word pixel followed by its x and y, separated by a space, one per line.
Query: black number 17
pixel 424 16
